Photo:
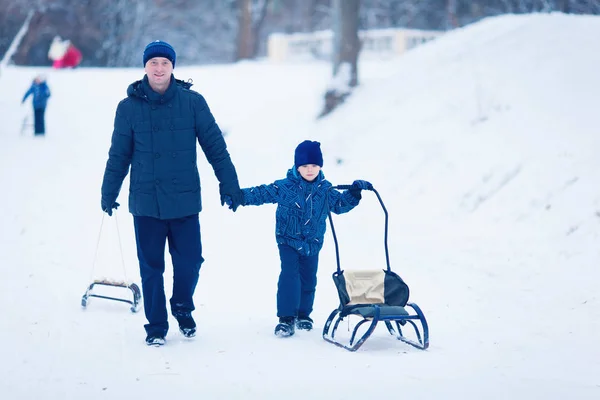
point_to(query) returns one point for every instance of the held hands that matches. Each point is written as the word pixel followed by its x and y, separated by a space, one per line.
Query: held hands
pixel 109 209
pixel 233 200
pixel 226 199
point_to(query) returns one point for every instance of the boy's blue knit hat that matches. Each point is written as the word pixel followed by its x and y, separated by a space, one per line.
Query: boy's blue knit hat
pixel 158 48
pixel 308 152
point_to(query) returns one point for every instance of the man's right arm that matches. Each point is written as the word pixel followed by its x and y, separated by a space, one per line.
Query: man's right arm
pixel 119 157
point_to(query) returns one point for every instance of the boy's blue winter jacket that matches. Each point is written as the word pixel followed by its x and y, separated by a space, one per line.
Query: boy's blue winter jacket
pixel 301 209
pixel 40 92
pixel 157 135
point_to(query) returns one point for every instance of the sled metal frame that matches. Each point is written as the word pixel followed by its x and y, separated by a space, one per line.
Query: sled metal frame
pixel 392 322
pixel 135 290
pixel 375 313
pixel 27 123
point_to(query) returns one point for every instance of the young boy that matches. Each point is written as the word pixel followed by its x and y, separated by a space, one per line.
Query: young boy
pixel 40 91
pixel 303 199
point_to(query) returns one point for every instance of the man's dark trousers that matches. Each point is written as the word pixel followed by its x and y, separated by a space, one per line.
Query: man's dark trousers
pixel 297 283
pixel 185 247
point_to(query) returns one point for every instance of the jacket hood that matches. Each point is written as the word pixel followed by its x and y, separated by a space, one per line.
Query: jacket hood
pixel 142 89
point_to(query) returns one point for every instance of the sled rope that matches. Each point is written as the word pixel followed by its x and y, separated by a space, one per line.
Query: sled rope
pixel 96 252
pixel 121 249
pixel 98 246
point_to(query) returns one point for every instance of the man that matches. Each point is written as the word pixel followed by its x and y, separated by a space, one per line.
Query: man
pixel 155 132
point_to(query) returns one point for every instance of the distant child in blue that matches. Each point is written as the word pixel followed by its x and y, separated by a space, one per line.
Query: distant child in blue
pixel 40 91
pixel 302 209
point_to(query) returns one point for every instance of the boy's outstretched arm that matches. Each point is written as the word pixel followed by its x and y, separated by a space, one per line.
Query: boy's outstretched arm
pixel 263 194
pixel 340 203
pixel 27 93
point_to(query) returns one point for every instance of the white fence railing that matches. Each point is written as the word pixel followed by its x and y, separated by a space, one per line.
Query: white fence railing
pixel 381 43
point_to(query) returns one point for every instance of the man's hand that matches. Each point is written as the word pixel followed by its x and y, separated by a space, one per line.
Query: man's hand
pixel 108 208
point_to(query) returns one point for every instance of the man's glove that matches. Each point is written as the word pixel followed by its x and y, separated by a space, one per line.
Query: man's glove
pixel 233 200
pixel 109 208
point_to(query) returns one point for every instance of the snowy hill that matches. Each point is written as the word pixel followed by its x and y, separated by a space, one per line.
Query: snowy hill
pixel 482 145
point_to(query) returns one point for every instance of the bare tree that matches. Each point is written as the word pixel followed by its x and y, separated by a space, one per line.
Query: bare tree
pixel 345 57
pixel 17 40
pixel 113 32
pixel 244 47
pixel 451 14
pixel 252 15
pixel 124 24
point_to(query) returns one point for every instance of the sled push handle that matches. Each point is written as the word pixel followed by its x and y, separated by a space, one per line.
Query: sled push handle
pixel 385 236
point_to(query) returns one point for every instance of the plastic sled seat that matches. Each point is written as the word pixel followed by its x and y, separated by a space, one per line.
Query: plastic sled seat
pixel 374 296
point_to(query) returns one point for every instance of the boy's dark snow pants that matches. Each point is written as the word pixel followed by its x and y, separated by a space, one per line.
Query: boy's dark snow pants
pixel 297 283
pixel 185 247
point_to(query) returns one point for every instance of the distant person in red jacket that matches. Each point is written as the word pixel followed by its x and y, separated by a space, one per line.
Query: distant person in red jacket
pixel 64 54
pixel 72 57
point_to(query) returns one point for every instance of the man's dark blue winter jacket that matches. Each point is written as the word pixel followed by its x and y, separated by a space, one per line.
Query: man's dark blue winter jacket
pixel 40 92
pixel 156 134
pixel 301 208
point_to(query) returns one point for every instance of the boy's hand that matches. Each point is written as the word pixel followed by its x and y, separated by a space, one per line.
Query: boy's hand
pixel 226 199
pixel 362 185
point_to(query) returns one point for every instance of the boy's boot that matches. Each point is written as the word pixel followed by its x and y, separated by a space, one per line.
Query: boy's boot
pixel 304 323
pixel 285 327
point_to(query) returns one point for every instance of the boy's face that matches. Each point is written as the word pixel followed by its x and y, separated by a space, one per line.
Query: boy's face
pixel 309 171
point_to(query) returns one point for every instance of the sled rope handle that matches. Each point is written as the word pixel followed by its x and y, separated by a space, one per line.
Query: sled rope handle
pixel 96 251
pixel 121 249
pixel 98 246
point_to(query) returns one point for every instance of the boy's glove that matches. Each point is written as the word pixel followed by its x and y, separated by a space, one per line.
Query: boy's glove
pixel 357 186
pixel 233 200
pixel 362 185
pixel 108 208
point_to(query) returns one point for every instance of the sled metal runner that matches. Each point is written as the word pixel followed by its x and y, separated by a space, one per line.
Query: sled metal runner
pixel 393 323
pixel 133 288
pixel 359 297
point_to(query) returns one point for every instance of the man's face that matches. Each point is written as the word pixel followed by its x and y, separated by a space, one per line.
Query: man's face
pixel 158 70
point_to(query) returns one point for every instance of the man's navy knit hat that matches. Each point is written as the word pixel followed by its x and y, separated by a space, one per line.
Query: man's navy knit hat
pixel 158 48
pixel 308 152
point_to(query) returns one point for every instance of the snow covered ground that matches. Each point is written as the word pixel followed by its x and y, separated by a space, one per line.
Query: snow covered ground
pixel 484 148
